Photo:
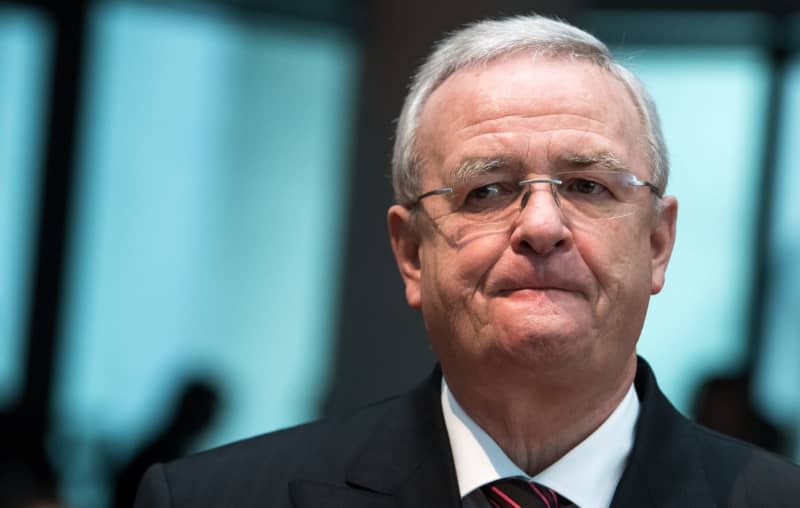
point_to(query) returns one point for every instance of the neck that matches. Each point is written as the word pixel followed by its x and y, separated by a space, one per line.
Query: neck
pixel 536 421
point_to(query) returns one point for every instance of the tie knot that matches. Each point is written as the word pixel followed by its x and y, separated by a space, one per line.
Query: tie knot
pixel 517 493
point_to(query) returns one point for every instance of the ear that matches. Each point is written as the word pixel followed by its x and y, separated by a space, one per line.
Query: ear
pixel 405 245
pixel 662 239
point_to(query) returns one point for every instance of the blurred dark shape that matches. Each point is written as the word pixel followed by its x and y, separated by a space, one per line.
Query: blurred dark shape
pixel 194 413
pixel 724 403
pixel 27 478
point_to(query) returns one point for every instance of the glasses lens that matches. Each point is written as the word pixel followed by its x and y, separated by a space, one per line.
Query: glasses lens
pixel 484 199
pixel 481 205
pixel 596 194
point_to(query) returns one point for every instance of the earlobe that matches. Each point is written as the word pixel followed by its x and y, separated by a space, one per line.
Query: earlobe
pixel 404 237
pixel 662 239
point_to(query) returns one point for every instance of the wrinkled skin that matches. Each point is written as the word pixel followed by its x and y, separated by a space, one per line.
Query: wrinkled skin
pixel 551 302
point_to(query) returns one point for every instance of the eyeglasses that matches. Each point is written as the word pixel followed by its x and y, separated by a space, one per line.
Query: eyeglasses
pixel 491 202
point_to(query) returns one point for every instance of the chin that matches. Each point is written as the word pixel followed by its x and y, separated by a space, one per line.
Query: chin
pixel 548 324
pixel 551 342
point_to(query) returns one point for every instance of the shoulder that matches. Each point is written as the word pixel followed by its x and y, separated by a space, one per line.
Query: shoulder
pixel 744 470
pixel 291 448
pixel 676 459
pixel 258 470
pixel 246 472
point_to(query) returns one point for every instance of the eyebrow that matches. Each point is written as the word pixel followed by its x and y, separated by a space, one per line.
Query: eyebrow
pixel 606 160
pixel 479 166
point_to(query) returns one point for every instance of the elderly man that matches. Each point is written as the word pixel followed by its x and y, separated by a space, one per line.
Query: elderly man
pixel 531 228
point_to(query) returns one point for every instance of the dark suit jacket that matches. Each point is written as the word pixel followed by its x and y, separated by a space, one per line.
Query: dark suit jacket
pixel 396 454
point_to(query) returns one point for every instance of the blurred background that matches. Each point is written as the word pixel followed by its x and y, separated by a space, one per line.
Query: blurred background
pixel 192 199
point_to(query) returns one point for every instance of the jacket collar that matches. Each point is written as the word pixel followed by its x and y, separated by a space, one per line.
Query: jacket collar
pixel 663 456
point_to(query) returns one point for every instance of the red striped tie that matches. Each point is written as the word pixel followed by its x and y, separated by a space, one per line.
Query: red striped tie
pixel 516 493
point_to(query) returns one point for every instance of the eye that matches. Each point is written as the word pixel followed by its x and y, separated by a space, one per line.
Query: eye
pixel 584 186
pixel 490 196
pixel 485 192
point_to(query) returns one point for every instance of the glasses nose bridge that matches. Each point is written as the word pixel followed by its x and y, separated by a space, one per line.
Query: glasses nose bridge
pixel 552 183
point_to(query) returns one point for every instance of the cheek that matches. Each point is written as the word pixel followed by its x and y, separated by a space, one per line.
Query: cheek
pixel 453 279
pixel 619 259
pixel 461 269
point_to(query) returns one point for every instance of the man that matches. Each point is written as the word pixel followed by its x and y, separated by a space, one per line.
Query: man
pixel 531 228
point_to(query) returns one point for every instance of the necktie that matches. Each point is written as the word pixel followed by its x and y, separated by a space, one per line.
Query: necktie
pixel 516 493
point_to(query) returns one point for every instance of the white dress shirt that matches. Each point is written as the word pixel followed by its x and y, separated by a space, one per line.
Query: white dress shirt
pixel 587 475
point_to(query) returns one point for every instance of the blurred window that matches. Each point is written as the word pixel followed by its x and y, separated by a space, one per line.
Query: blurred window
pixel 25 41
pixel 779 370
pixel 211 199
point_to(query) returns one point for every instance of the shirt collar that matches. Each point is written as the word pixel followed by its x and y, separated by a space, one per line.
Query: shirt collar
pixel 587 475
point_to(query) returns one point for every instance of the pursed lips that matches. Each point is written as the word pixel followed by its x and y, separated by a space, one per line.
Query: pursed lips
pixel 540 289
pixel 507 289
pixel 508 285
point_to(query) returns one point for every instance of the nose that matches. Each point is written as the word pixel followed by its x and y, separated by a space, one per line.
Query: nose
pixel 540 226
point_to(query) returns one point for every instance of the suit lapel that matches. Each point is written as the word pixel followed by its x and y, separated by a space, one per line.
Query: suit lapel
pixel 405 462
pixel 663 469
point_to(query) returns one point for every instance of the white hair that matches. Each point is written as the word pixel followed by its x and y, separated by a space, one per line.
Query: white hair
pixel 487 40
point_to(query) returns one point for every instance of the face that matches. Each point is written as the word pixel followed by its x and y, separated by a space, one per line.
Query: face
pixel 548 291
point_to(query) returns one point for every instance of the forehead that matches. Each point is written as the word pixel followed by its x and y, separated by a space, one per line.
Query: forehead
pixel 532 108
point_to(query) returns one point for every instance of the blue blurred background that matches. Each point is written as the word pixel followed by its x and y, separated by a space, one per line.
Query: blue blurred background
pixel 192 202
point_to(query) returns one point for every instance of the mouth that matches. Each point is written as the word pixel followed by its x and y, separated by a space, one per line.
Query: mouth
pixel 535 289
pixel 512 282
